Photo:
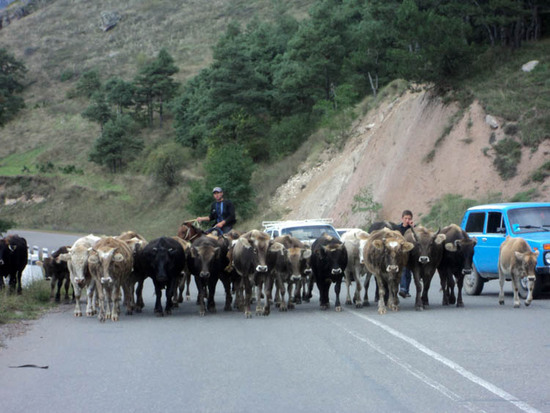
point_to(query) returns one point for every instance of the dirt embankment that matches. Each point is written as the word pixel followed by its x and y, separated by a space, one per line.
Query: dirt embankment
pixel 388 153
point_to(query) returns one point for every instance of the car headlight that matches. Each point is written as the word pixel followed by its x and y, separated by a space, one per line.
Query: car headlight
pixel 547 258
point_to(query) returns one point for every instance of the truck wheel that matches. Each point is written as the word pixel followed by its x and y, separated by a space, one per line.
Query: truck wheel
pixel 473 283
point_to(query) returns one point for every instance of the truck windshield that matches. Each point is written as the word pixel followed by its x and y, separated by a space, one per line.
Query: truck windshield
pixel 310 233
pixel 532 219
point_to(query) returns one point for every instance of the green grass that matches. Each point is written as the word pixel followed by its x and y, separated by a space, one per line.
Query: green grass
pixel 34 300
pixel 13 165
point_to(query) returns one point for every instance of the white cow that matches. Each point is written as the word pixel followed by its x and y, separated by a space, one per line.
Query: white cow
pixel 77 262
pixel 354 241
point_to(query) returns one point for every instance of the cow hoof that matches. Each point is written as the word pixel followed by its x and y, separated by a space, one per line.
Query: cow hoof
pixel 291 306
pixel 175 304
pixel 338 309
pixel 324 307
pixel 348 302
pixel 138 310
pixel 452 300
pixel 227 308
pixel 114 318
pixel 460 304
pixel 78 314
pixel 283 309
pixel 202 313
pixel 247 314
pixel 419 308
pixel 501 302
pixel 527 303
pixel 358 305
pixel 129 312
pixel 516 305
pixel 168 312
pixel 382 311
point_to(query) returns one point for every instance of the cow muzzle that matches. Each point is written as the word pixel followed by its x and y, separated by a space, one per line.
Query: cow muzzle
pixel 531 278
pixel 205 274
pixel 80 282
pixel 295 277
pixel 423 259
pixel 466 271
pixel 261 268
pixel 106 280
pixel 392 268
pixel 336 271
pixel 308 272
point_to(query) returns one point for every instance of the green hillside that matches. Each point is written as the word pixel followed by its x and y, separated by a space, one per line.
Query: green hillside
pixel 255 76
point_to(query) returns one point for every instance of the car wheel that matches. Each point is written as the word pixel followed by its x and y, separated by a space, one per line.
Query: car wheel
pixel 523 290
pixel 473 283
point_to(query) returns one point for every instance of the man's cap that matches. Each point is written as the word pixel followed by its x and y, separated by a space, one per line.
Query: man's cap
pixel 217 189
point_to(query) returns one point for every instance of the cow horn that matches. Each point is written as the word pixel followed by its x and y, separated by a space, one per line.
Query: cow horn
pixel 414 234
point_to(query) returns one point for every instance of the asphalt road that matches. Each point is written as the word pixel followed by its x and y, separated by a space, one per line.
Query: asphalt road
pixel 480 358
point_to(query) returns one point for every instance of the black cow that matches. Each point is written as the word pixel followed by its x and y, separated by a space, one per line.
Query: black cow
pixel 423 260
pixel 329 259
pixel 163 260
pixel 456 262
pixel 13 260
pixel 207 260
pixel 57 271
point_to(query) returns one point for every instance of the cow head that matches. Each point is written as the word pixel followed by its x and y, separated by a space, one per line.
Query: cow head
pixel 204 256
pixel 427 245
pixel 527 262
pixel 259 242
pixel 464 247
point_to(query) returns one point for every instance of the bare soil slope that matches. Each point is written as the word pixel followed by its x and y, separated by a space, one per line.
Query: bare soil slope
pixel 388 153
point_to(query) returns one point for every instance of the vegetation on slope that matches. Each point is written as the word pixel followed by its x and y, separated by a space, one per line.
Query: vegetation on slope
pixel 272 78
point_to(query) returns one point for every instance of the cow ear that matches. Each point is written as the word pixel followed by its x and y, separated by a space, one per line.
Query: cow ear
pixel 440 239
pixel 378 244
pixel 452 246
pixel 474 239
pixel 118 257
pixel 277 247
pixel 245 242
pixel 93 259
pixel 306 254
pixel 519 255
pixel 63 257
pixel 407 246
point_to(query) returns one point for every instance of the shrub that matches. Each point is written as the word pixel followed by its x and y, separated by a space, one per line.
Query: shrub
pixel 508 155
pixel 447 210
pixel 165 162
pixel 541 173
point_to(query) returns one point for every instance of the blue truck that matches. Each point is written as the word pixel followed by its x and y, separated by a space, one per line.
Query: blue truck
pixel 490 224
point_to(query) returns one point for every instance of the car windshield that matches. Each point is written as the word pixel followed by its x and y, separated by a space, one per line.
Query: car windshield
pixel 532 219
pixel 310 233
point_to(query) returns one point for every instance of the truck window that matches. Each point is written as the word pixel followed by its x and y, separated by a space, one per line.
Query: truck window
pixel 495 225
pixel 476 221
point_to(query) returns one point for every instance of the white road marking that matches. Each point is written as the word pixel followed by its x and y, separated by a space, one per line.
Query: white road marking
pixel 438 357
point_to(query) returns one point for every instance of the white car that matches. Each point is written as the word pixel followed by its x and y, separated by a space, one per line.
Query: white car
pixel 306 230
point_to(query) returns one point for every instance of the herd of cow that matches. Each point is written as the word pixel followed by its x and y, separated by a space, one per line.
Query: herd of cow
pixel 248 263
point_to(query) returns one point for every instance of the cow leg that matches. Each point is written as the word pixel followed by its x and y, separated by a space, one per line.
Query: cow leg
pixel 381 295
pixel 247 297
pixel 368 276
pixel 259 301
pixel 92 298
pixel 459 284
pixel 418 305
pixel 268 291
pixel 139 296
pixel 291 287
pixel 281 291
pixel 425 288
pixel 531 285
pixel 128 290
pixel 501 280
pixel 158 299
pixel 115 297
pixel 67 283
pixel 357 297
pixel 212 281
pixel 101 299
pixel 348 278
pixel 451 287
pixel 515 285
pixel 226 281
pixel 77 308
pixel 443 277
pixel 170 290
pixel 337 287
pixel 201 295
pixel 393 300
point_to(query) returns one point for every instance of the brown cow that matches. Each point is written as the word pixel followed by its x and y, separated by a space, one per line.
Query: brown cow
pixel 111 262
pixel 137 243
pixel 298 256
pixel 250 261
pixel 386 253
pixel 423 260
pixel 515 261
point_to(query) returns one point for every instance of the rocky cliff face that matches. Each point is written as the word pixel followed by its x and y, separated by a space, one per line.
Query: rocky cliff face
pixel 389 153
